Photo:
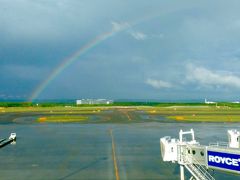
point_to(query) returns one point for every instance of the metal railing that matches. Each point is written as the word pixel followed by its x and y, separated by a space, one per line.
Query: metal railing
pixel 194 167
pixel 199 171
pixel 219 144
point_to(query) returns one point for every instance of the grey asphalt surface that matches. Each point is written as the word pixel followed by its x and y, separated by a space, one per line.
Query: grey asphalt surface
pixel 84 151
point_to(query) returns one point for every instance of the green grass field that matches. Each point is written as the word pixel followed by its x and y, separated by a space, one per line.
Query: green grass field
pixel 177 113
pixel 59 109
pixel 197 114
pixel 62 119
pixel 207 118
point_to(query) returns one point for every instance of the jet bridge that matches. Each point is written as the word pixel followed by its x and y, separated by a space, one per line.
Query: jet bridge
pixel 198 159
pixel 11 140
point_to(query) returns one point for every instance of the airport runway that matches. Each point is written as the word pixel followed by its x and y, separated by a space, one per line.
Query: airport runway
pixel 114 151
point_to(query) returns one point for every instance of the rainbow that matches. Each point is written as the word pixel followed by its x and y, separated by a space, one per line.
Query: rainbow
pixel 84 49
pixel 74 57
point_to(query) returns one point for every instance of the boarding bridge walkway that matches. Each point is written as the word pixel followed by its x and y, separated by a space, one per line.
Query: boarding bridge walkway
pixel 6 141
pixel 197 159
pixel 198 172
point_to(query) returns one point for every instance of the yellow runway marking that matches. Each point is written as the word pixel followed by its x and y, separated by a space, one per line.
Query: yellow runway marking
pixel 129 118
pixel 114 156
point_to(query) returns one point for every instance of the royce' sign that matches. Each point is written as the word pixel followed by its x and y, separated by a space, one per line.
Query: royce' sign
pixel 227 161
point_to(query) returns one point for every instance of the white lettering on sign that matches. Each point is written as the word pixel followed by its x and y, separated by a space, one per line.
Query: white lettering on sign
pixel 223 160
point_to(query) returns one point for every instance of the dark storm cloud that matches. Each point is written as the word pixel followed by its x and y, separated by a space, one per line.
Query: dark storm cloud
pixel 149 59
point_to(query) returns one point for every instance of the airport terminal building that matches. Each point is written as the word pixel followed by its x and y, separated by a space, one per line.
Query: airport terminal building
pixel 94 101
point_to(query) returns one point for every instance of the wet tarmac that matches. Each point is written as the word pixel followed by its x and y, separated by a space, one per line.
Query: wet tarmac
pixel 85 151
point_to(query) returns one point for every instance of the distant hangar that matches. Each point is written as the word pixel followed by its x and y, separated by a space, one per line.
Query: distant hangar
pixel 93 101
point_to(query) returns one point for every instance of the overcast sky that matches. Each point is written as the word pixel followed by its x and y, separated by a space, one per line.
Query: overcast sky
pixel 176 50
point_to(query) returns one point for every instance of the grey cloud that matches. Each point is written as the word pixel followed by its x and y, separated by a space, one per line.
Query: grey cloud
pixel 118 26
pixel 138 35
pixel 158 84
pixel 49 20
pixel 207 77
pixel 156 37
pixel 24 72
